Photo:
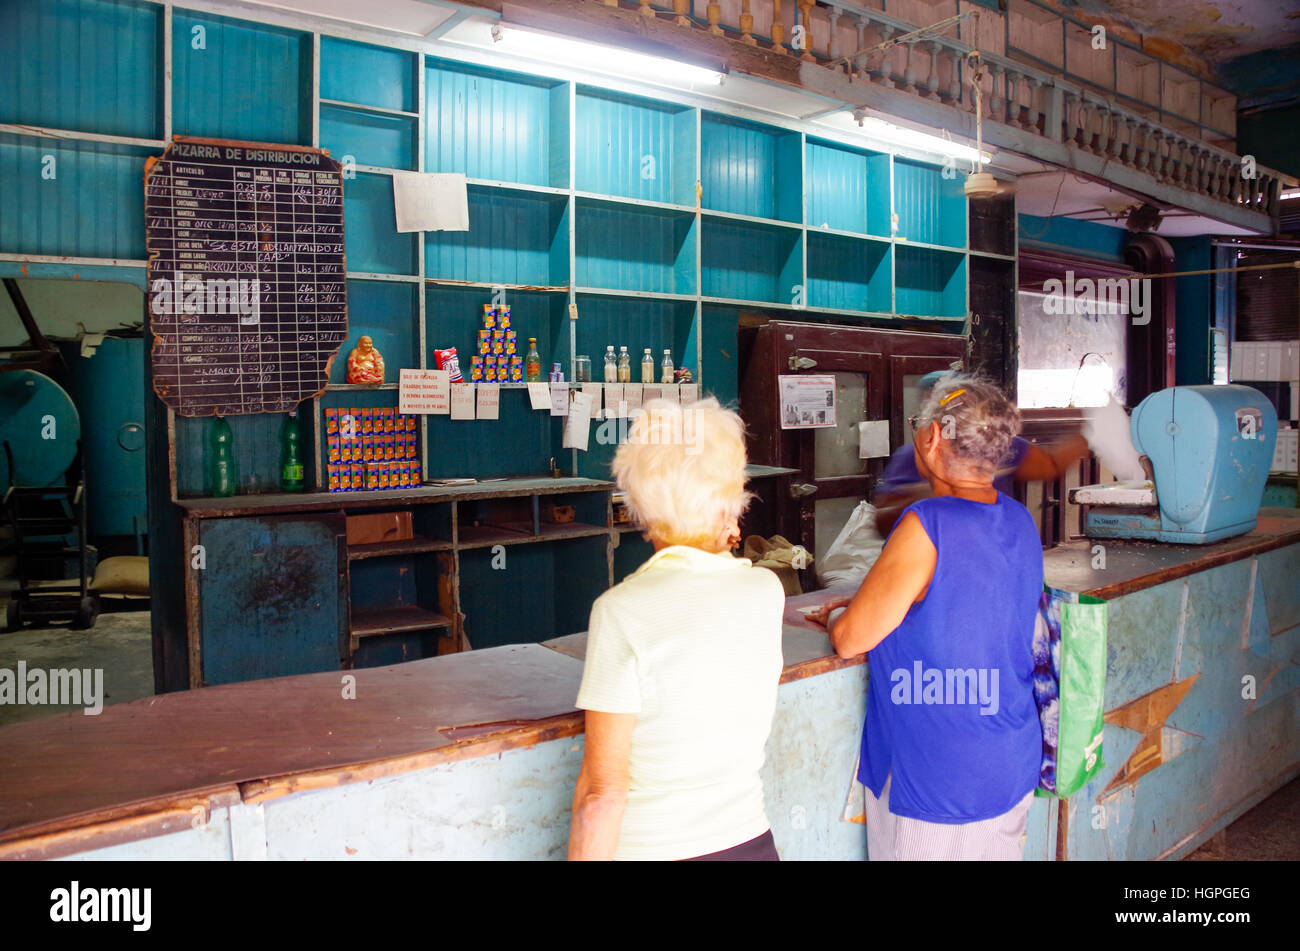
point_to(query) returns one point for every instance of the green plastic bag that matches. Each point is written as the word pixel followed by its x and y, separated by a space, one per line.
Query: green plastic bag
pixel 1070 689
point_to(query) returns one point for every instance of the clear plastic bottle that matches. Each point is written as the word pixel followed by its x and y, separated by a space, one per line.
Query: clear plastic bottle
pixel 624 366
pixel 666 368
pixel 611 365
pixel 532 362
pixel 647 366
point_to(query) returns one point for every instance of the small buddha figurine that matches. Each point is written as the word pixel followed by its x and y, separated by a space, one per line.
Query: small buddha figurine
pixel 365 363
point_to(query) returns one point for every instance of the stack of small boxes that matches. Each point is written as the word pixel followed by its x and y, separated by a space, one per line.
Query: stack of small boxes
pixel 371 449
pixel 497 359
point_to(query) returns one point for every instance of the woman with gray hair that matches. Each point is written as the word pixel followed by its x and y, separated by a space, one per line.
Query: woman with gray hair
pixel 952 744
pixel 683 658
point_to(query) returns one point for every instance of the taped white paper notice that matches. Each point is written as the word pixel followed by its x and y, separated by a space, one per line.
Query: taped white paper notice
pixel 539 396
pixel 632 393
pixel 615 408
pixel 873 439
pixel 669 392
pixel 594 390
pixel 424 391
pixel 690 392
pixel 807 402
pixel 577 428
pixel 430 201
pixel 462 401
pixel 489 401
pixel 559 399
pixel 651 391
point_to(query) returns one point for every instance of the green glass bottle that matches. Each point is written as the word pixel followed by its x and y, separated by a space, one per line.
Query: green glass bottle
pixel 290 457
pixel 222 475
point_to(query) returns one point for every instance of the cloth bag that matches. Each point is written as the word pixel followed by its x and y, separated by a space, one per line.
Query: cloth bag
pixel 854 550
pixel 1069 689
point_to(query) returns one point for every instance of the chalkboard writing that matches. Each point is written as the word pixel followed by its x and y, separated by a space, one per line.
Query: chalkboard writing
pixel 247 291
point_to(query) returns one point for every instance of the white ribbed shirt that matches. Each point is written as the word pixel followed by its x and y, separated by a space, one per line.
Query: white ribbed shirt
pixel 690 643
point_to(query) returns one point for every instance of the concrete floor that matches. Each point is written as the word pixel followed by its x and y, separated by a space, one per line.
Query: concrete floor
pixel 121 644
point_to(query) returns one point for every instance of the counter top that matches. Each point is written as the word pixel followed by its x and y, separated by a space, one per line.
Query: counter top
pixel 1135 565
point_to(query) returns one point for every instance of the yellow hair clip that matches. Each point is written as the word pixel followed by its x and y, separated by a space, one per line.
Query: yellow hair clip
pixel 951 396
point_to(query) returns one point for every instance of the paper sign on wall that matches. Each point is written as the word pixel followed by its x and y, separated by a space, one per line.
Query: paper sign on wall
pixel 577 428
pixel 594 390
pixel 651 391
pixel 539 396
pixel 632 393
pixel 424 391
pixel 462 401
pixel 430 201
pixel 807 402
pixel 873 439
pixel 669 392
pixel 613 399
pixel 690 392
pixel 489 401
pixel 559 399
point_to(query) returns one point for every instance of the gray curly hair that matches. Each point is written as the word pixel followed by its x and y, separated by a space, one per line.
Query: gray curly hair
pixel 976 420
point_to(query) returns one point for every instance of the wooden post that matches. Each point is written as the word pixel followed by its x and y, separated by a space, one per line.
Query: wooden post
pixel 646 10
pixel 747 24
pixel 778 27
pixel 805 8
pixel 715 17
pixel 681 8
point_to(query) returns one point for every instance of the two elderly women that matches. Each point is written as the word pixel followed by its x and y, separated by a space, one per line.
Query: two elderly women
pixel 684 656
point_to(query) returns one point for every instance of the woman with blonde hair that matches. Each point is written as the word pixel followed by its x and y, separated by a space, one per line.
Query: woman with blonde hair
pixel 683 658
pixel 952 744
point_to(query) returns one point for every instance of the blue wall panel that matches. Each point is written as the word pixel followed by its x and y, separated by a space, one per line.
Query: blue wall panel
pixel 636 249
pixel 371 139
pixel 748 169
pixel 929 283
pixel 384 312
pixel 749 262
pixel 372 241
pixel 634 148
pixel 847 190
pixel 513 238
pixel 86 65
pixel 358 72
pixel 848 273
pixel 930 208
pixel 492 126
pixel 93 206
pixel 249 81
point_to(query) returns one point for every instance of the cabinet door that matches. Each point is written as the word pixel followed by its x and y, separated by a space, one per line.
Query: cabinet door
pixel 272 597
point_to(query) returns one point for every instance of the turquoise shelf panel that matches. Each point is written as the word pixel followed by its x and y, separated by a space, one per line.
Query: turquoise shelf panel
pixel 847 189
pixel 514 237
pixel 747 261
pixel 635 248
pixel 635 323
pixel 246 81
pixel 929 283
pixel 370 138
pixel 931 209
pixel 371 75
pixel 750 169
pixel 719 350
pixel 48 50
pixel 521 442
pixel 454 315
pixel 496 126
pixel 372 241
pixel 92 207
pixel 849 273
pixel 385 312
pixel 256 450
pixel 634 148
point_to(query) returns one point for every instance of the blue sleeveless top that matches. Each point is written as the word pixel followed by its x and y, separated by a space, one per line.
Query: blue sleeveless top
pixel 950 703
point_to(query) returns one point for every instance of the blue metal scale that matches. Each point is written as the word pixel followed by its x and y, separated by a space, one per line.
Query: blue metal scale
pixel 1207 450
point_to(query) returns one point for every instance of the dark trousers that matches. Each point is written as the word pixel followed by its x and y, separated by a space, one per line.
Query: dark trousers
pixel 761 849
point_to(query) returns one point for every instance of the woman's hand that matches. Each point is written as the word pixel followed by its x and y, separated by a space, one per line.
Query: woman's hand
pixel 821 617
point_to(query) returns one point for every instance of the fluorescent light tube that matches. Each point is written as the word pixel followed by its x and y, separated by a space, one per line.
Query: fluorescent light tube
pixel 888 132
pixel 549 48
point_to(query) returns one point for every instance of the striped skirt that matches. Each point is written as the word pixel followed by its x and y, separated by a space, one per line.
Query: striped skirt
pixel 892 838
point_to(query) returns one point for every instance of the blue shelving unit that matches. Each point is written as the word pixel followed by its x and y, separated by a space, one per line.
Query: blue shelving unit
pixel 847 189
pixel 929 283
pixel 849 274
pixel 634 148
pixel 750 260
pixel 633 247
pixel 750 169
pixel 514 237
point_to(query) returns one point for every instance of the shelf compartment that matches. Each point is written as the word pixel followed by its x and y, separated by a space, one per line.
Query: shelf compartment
pixel 387 314
pixel 750 262
pixel 372 241
pixel 367 75
pixel 750 169
pixel 485 536
pixel 931 209
pixel 635 248
pixel 407 546
pixel 847 189
pixel 222 91
pixel 849 273
pixel 513 237
pixel 496 126
pixel 368 138
pixel 929 283
pixel 395 620
pixel 634 148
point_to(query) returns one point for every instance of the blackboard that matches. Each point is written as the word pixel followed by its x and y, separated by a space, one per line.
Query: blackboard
pixel 247 290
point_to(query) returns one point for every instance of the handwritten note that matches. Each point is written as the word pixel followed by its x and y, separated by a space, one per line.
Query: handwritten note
pixel 577 428
pixel 424 391
pixel 430 201
pixel 632 393
pixel 559 399
pixel 462 401
pixel 539 396
pixel 489 401
pixel 613 398
pixel 690 393
pixel 594 390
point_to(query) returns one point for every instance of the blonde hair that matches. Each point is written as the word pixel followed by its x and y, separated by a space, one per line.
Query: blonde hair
pixel 683 469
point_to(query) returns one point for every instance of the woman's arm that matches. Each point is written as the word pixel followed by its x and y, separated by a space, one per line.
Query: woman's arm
pixel 601 793
pixel 898 579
